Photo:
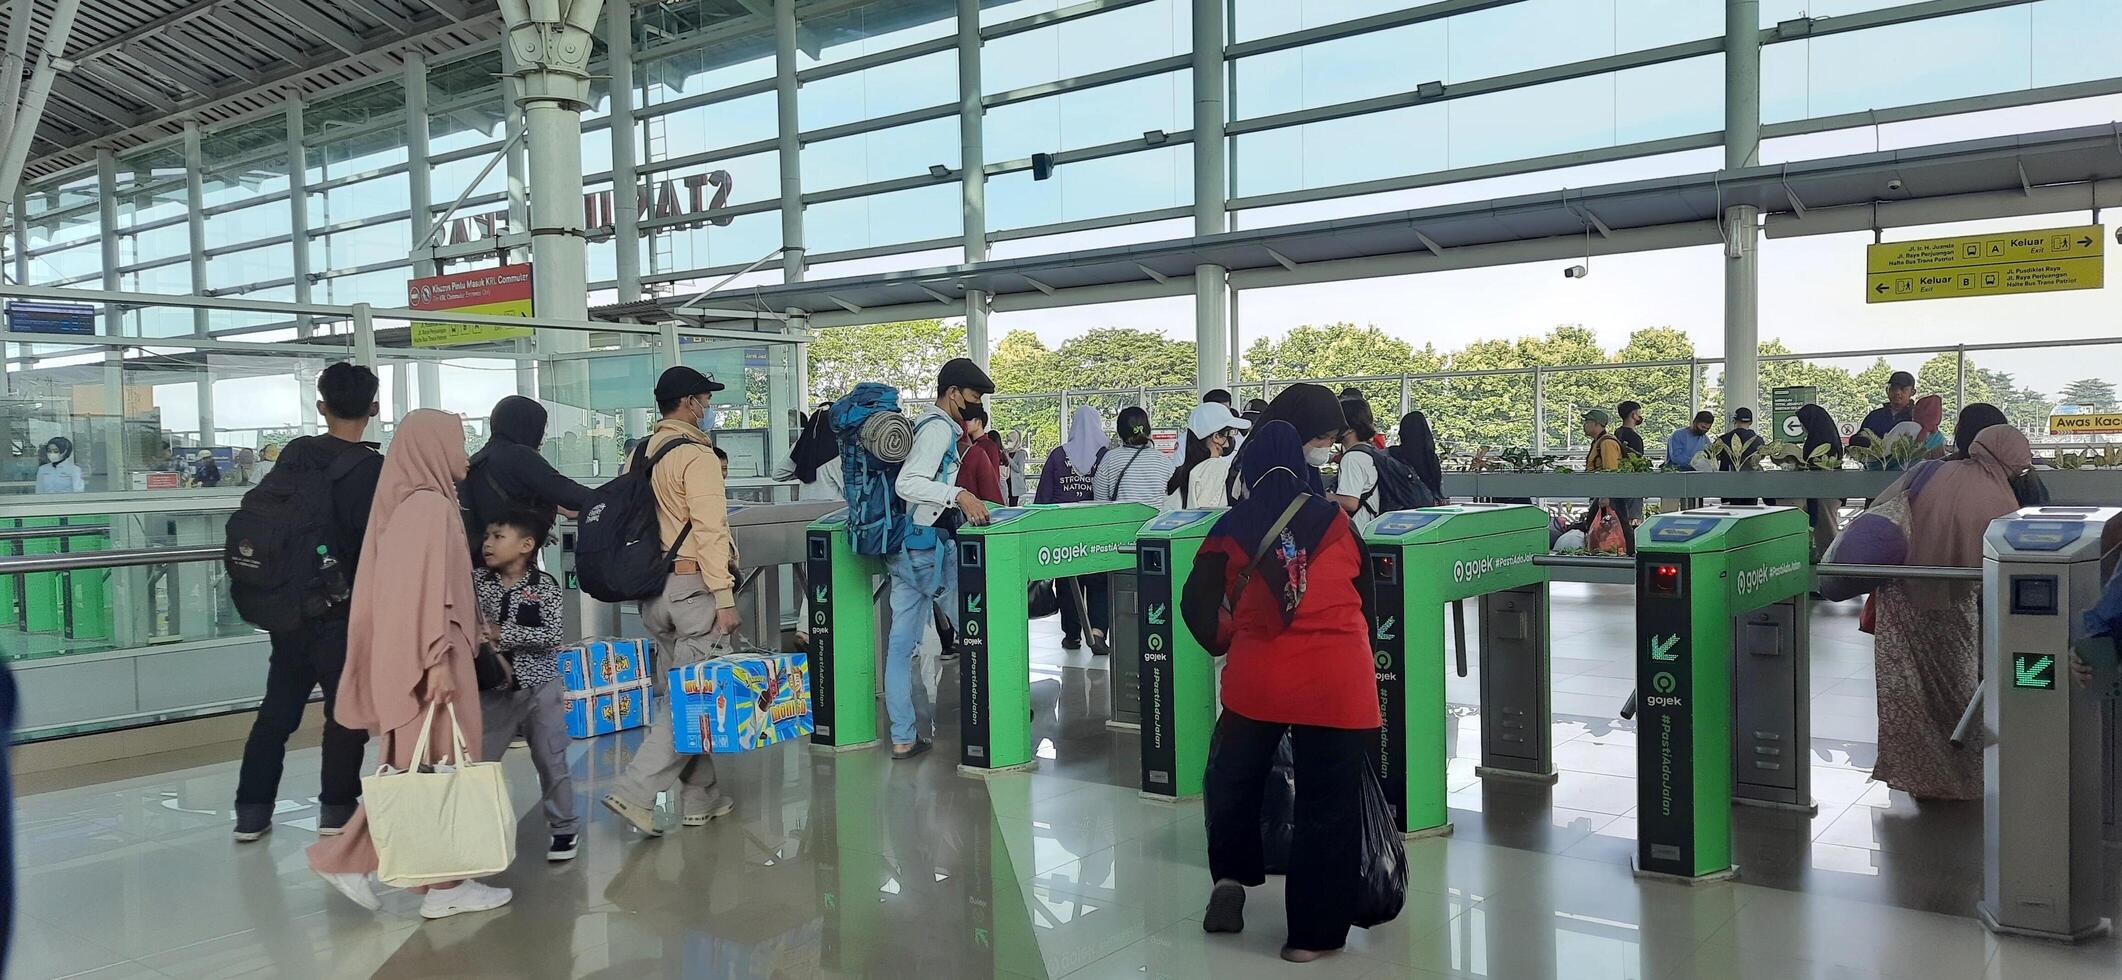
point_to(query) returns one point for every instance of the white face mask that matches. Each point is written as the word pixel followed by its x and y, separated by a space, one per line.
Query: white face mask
pixel 1319 455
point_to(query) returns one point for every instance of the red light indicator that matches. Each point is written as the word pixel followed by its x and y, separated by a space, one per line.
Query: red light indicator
pixel 1665 579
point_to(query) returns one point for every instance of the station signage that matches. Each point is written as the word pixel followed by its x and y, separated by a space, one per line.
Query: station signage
pixel 2085 424
pixel 671 198
pixel 78 319
pixel 503 291
pixel 2002 264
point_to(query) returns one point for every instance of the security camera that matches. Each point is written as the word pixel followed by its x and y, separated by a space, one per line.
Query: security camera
pixel 1895 185
pixel 1576 272
pixel 2118 236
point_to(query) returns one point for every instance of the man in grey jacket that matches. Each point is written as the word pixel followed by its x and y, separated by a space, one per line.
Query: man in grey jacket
pixel 926 570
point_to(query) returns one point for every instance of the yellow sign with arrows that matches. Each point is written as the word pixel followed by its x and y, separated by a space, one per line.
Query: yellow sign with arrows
pixel 2004 264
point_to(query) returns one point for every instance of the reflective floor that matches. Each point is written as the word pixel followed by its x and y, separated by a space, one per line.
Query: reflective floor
pixel 852 865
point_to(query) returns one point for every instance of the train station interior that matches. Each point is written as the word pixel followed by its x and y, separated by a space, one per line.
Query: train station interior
pixel 1697 421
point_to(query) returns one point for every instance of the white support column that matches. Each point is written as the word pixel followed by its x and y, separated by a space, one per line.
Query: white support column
pixel 298 218
pixel 195 208
pixel 973 160
pixel 787 143
pixel 1742 224
pixel 1211 342
pixel 516 166
pixel 419 174
pixel 16 66
pixel 625 134
pixel 23 130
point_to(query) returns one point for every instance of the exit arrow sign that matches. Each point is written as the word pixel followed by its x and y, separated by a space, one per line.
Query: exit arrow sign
pixel 2034 672
pixel 1156 614
pixel 1661 649
pixel 972 603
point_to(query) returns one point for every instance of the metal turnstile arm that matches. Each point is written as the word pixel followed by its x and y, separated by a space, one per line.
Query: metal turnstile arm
pixel 1970 719
pixel 1459 633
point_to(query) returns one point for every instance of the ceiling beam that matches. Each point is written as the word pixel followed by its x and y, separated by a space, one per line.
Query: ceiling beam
pixel 273 42
pixel 456 10
pixel 135 86
pixel 306 17
pixel 181 74
pixel 78 94
pixel 382 14
pixel 211 53
pixel 153 27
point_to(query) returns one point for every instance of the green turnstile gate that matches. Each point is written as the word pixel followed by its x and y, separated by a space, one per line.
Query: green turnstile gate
pixel 843 632
pixel 1722 679
pixel 1178 681
pixel 1421 560
pixel 996 564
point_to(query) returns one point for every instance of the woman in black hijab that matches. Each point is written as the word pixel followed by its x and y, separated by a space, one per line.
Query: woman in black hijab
pixel 509 475
pixel 1822 451
pixel 1973 419
pixel 814 461
pixel 1418 449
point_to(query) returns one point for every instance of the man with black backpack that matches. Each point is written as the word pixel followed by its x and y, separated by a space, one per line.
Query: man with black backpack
pixel 294 545
pixel 699 596
pixel 1372 482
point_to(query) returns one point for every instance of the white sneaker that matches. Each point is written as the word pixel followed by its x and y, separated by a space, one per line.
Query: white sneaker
pixel 720 806
pixel 469 896
pixel 356 887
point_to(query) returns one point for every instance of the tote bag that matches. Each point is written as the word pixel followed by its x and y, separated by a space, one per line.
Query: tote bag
pixel 1879 536
pixel 439 821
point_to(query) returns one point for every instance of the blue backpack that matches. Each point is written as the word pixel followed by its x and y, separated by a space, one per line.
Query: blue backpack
pixel 874 440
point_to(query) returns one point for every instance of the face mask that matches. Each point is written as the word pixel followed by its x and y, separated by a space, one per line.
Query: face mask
pixel 1319 455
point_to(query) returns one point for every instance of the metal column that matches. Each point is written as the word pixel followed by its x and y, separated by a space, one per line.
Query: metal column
pixel 787 142
pixel 972 175
pixel 298 214
pixel 195 208
pixel 626 180
pixel 48 63
pixel 419 176
pixel 1211 343
pixel 1742 224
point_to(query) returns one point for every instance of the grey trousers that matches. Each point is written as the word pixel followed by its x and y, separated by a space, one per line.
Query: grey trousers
pixel 537 713
pixel 681 621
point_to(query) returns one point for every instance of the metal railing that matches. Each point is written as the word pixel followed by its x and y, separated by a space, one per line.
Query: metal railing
pixel 79 560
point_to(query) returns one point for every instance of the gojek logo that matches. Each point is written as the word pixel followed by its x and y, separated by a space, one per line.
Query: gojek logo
pixel 1071 552
pixel 1754 579
pixel 1467 571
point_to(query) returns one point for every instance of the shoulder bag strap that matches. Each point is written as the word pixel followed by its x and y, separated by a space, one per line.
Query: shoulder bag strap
pixel 1274 531
pixel 1120 480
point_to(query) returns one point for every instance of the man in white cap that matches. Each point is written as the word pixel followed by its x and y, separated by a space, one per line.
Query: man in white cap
pixel 1212 434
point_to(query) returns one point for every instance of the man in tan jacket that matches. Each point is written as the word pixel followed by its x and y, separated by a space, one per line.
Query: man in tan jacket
pixel 699 601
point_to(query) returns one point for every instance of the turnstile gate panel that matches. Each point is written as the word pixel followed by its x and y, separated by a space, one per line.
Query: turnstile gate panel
pixel 1516 697
pixel 996 564
pixel 1420 561
pixel 2044 768
pixel 1178 678
pixel 843 636
pixel 1697 572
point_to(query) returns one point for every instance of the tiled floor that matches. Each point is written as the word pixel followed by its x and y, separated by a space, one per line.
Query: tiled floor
pixel 850 865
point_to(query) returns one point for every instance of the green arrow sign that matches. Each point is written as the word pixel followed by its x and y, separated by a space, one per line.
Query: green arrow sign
pixel 1156 614
pixel 1385 627
pixel 2036 672
pixel 1660 648
pixel 972 603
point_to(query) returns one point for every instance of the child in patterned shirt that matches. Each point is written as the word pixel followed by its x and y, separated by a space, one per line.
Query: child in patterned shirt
pixel 520 618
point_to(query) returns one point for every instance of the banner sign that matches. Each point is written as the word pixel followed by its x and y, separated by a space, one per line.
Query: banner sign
pixel 1999 264
pixel 78 319
pixel 503 291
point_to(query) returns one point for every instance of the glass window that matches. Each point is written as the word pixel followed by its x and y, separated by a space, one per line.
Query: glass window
pixel 358 154
pixel 701 247
pixel 267 176
pixel 726 62
pixel 141 207
pixel 902 151
pixel 1090 117
pixel 1115 39
pixel 463 78
pixel 466 127
pixel 366 199
pixel 880 25
pixel 1253 19
pixel 754 177
pixel 1140 181
pixel 1342 70
pixel 249 266
pixel 165 242
pixel 915 83
pixel 247 224
pixel 714 126
pixel 59 196
pixel 72 228
pixel 384 287
pixel 67 263
pixel 361 246
pixel 1774 12
pixel 448 179
pixel 358 108
pixel 913 215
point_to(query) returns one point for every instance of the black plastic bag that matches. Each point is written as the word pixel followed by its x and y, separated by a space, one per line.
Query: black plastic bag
pixel 1381 884
pixel 1041 601
pixel 1278 811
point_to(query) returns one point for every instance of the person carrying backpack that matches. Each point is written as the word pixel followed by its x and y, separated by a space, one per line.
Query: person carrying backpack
pixel 698 600
pixel 1371 481
pixel 924 569
pixel 317 495
pixel 509 476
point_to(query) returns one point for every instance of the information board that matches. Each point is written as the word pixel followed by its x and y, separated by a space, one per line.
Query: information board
pixel 2002 264
pixel 503 291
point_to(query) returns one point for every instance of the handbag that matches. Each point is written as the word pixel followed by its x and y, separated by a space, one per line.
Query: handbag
pixel 1879 536
pixel 438 821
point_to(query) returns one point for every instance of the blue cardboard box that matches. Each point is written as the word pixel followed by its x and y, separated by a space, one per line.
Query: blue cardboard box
pixel 607 686
pixel 735 704
pixel 589 715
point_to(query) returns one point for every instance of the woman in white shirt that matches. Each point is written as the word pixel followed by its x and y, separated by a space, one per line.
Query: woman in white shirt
pixel 1136 469
pixel 814 461
pixel 1356 489
pixel 1199 483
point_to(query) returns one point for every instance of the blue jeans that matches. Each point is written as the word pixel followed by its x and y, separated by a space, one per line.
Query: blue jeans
pixel 919 578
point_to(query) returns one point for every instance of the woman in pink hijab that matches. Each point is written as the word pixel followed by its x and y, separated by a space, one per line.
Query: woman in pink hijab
pixel 410 640
pixel 1928 634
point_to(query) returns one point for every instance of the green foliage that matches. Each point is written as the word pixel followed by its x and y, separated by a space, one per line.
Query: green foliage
pixel 2090 391
pixel 906 354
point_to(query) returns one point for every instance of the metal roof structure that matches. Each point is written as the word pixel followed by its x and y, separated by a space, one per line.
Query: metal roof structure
pixel 2055 171
pixel 141 66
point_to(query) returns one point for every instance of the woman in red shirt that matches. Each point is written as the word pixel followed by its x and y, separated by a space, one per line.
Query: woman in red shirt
pixel 1297 639
pixel 981 468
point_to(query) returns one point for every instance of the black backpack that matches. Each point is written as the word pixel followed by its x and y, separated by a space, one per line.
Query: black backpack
pixel 1398 488
pixel 619 553
pixel 287 559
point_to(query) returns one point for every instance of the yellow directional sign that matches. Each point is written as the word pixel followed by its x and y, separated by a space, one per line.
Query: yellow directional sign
pixel 2041 261
pixel 2085 424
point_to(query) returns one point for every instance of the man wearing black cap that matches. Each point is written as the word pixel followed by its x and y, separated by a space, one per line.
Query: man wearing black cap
pixel 926 571
pixel 699 600
pixel 1733 448
pixel 1900 406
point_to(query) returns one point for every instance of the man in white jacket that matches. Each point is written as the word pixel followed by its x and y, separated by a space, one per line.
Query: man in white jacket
pixel 926 571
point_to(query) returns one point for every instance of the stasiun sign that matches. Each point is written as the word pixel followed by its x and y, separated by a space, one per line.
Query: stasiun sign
pixel 671 198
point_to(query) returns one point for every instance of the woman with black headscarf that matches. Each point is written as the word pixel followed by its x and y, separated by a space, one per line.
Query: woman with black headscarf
pixel 58 473
pixel 1973 419
pixel 1280 588
pixel 814 461
pixel 1822 451
pixel 509 475
pixel 1418 449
